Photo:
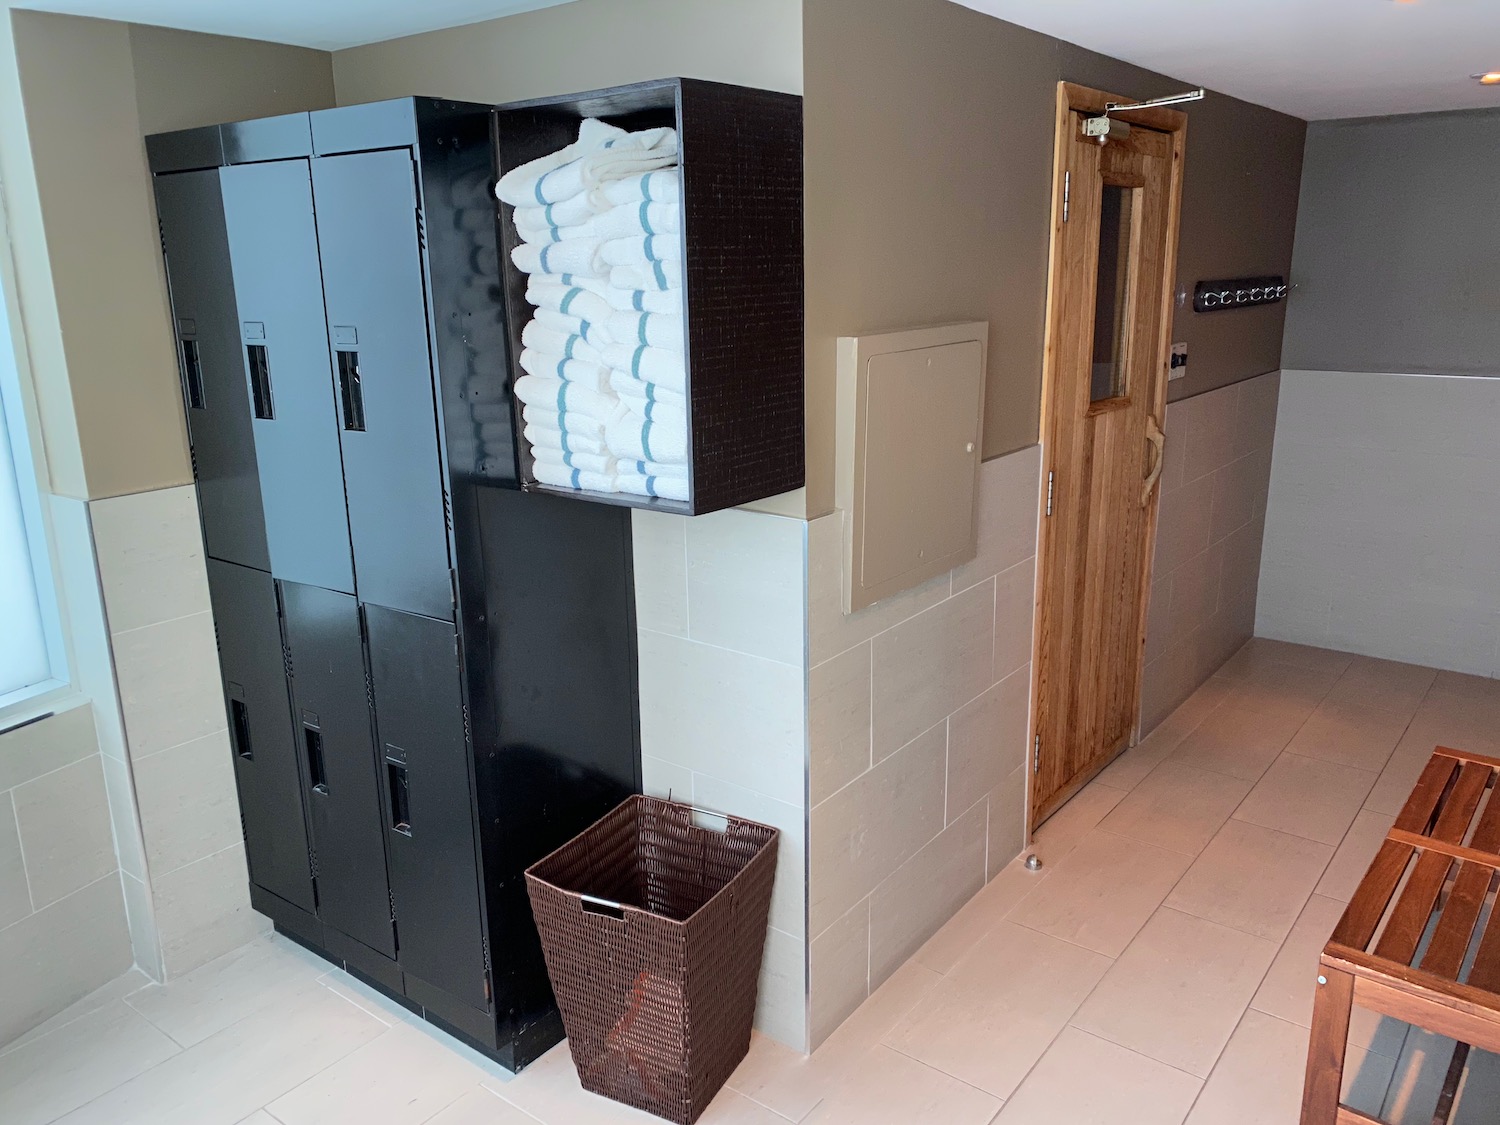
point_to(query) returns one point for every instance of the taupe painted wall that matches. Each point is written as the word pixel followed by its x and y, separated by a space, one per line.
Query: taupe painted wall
pixel 929 157
pixel 82 95
pixel 1398 240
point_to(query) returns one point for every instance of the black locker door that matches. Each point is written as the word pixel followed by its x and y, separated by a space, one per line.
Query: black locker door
pixel 377 317
pixel 282 340
pixel 218 403
pixel 335 732
pixel 430 823
pixel 260 730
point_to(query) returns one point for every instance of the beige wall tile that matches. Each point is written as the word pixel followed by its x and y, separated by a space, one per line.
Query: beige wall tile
pixel 1007 826
pixel 1015 610
pixel 924 892
pixel 60 954
pixel 666 779
pixel 1183 523
pixel 987 741
pixel 1255 418
pixel 28 752
pixel 977 917
pixel 150 551
pixel 866 830
pixel 1238 489
pixel 745 583
pixel 169 683
pixel 928 666
pixel 781 1011
pixel 1195 594
pixel 203 910
pixel 788 903
pixel 1009 491
pixel 839 721
pixel 188 804
pixel 15 896
pixel 840 980
pixel 660 548
pixel 736 717
pixel 1210 443
pixel 65 830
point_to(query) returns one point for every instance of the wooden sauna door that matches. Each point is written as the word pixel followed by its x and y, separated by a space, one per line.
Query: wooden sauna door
pixel 1114 246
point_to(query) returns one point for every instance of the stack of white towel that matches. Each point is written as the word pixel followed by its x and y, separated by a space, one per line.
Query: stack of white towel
pixel 604 392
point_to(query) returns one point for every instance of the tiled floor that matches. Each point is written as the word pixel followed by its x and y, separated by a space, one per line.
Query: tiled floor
pixel 1159 969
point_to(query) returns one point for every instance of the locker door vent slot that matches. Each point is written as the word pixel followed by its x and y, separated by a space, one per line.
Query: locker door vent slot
pixel 400 789
pixel 192 370
pixel 240 717
pixel 350 391
pixel 317 772
pixel 260 380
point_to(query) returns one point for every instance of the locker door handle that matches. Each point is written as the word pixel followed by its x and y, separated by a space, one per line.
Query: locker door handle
pixel 351 394
pixel 192 373
pixel 317 771
pixel 239 715
pixel 399 785
pixel 260 380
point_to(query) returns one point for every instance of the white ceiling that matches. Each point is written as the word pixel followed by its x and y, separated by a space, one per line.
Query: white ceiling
pixel 1312 58
pixel 326 24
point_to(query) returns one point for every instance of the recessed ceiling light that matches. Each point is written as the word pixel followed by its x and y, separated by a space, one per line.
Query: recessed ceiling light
pixel 1490 78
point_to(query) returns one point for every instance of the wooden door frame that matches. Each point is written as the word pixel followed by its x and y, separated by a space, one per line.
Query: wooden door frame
pixel 1073 97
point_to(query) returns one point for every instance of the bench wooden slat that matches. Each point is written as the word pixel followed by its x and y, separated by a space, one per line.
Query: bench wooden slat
pixel 1416 814
pixel 1413 909
pixel 1363 914
pixel 1486 971
pixel 1487 834
pixel 1452 851
pixel 1469 756
pixel 1450 941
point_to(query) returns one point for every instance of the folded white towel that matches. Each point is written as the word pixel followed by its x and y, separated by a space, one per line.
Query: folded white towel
pixel 595 334
pixel 659 330
pixel 564 345
pixel 560 476
pixel 635 393
pixel 633 438
pixel 544 235
pixel 658 276
pixel 641 251
pixel 588 462
pixel 564 213
pixel 637 218
pixel 602 152
pixel 652 469
pixel 577 372
pixel 662 186
pixel 667 488
pixel 569 441
pixel 640 300
pixel 568 399
pixel 649 365
pixel 573 300
pixel 578 256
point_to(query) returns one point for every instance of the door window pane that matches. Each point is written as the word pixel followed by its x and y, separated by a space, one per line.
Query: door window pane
pixel 1111 292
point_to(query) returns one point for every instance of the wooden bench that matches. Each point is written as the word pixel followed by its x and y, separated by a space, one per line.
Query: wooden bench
pixel 1446 847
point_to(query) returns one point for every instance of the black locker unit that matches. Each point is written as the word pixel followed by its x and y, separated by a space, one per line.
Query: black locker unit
pixel 435 671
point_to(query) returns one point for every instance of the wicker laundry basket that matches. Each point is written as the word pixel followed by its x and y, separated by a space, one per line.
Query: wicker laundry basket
pixel 653 929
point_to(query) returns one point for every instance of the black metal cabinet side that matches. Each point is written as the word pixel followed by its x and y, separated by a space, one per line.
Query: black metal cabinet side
pixel 377 315
pixel 429 818
pixel 196 246
pixel 332 724
pixel 266 768
pixel 273 246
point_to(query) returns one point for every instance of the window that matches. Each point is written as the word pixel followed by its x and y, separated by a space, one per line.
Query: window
pixel 31 657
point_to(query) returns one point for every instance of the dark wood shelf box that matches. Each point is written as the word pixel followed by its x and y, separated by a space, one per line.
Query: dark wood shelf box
pixel 741 161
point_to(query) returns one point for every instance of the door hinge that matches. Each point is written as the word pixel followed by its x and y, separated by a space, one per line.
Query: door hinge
pixel 1067 193
pixel 286 660
pixel 390 896
pixel 1036 755
pixel 312 863
pixel 1050 482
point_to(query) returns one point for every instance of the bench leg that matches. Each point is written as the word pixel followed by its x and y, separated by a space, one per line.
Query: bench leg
pixel 1325 1053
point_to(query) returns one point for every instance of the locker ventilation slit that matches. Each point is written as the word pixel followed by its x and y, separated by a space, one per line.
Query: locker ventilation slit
pixel 260 380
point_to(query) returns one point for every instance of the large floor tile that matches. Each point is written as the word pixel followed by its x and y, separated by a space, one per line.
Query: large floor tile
pixel 1351 734
pixel 1102 892
pixel 1178 807
pixel 403 1077
pixel 230 1074
pixel 1399 777
pixel 117 989
pixel 1179 990
pixel 1258 1079
pixel 1135 765
pixel 1122 1087
pixel 1383 684
pixel 1238 739
pixel 89 1056
pixel 979 916
pixel 892 1089
pixel 992 1017
pixel 1261 656
pixel 1355 854
pixel 481 1107
pixel 1308 798
pixel 1287 992
pixel 1252 879
pixel 1419 1080
pixel 1063 829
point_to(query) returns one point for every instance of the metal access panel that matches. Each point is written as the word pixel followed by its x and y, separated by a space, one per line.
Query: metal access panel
pixel 430 820
pixel 377 316
pixel 282 347
pixel 213 378
pixel 260 730
pixel 335 734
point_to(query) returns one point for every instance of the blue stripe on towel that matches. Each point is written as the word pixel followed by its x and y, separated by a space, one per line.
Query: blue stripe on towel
pixel 562 394
pixel 646 217
pixel 567 450
pixel 635 362
pixel 643 328
pixel 649 248
pixel 661 275
pixel 565 278
pixel 650 393
pixel 650 486
pixel 646 187
pixel 540 197
pixel 543 258
pixel 568 298
pixel 586 329
pixel 562 365
pixel 636 299
pixel 646 440
pixel 576 475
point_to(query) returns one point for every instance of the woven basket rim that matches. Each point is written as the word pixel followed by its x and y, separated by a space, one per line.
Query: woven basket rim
pixel 641 798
